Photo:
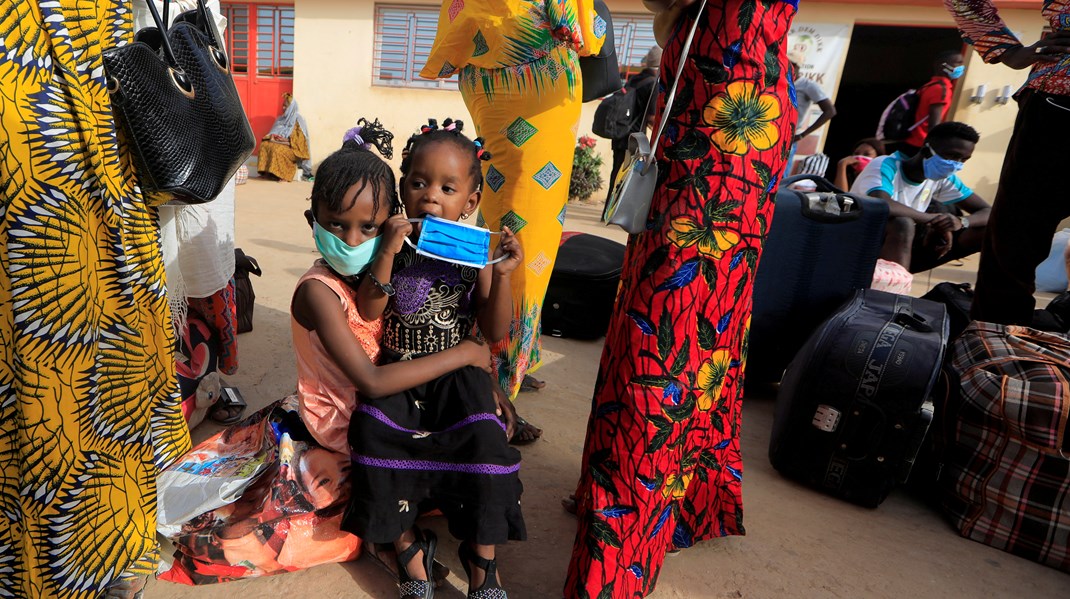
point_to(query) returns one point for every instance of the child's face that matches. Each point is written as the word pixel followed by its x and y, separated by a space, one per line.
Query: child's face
pixel 325 474
pixel 358 221
pixel 866 150
pixel 439 183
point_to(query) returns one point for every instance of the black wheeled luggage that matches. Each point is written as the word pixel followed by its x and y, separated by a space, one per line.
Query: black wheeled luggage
pixel 812 262
pixel 583 287
pixel 853 406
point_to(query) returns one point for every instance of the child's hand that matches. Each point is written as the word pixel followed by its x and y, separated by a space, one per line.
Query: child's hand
pixel 511 246
pixel 478 353
pixel 395 230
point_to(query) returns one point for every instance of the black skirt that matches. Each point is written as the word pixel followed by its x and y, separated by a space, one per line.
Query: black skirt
pixel 437 446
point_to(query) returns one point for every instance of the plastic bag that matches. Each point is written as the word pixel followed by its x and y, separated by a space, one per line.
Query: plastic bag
pixel 286 518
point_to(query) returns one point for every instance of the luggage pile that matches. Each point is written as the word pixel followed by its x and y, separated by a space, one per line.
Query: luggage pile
pixel 869 398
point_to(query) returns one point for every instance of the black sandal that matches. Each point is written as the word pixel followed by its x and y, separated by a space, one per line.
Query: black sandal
pixel 427 542
pixel 490 589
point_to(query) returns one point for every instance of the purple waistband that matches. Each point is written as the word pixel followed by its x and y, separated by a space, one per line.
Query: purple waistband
pixel 381 417
pixel 432 465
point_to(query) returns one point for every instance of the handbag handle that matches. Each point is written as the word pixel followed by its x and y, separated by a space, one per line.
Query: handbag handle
pixel 676 82
pixel 177 73
pixel 161 25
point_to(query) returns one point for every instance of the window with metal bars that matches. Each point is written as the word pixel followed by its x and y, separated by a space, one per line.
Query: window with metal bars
pixel 262 34
pixel 404 36
pixel 403 39
pixel 237 36
pixel 634 37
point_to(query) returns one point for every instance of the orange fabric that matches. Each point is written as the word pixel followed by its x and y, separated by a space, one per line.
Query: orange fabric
pixel 327 396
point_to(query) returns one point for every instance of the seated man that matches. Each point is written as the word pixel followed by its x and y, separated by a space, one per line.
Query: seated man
pixel 922 234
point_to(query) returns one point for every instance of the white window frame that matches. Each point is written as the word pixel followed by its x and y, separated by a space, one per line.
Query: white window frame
pixel 633 36
pixel 409 43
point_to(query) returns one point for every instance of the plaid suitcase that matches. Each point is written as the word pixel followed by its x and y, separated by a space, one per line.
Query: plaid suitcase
pixel 1003 438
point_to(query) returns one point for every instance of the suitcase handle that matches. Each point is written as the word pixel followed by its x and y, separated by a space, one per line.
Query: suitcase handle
pixel 822 183
pixel 912 321
pixel 824 186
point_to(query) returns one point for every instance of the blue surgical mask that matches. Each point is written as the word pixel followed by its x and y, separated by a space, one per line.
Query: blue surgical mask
pixel 345 259
pixel 453 242
pixel 954 72
pixel 936 167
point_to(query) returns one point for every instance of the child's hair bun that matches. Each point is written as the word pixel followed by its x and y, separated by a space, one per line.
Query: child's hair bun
pixel 367 135
pixel 481 151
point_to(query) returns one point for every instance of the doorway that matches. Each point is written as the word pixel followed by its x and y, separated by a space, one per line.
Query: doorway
pixel 882 62
pixel 260 43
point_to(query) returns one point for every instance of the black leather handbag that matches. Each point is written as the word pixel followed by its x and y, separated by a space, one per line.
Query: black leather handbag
pixel 601 72
pixel 172 91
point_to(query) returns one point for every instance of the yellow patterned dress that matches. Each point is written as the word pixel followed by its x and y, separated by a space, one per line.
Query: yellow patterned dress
pixel 88 397
pixel 517 61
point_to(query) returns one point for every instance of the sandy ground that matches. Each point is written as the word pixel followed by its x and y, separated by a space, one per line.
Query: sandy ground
pixel 799 543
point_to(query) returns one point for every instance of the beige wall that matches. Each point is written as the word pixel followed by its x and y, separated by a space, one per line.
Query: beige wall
pixel 993 121
pixel 333 76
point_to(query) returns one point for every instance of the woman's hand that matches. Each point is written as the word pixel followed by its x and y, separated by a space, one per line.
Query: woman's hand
pixel 1052 48
pixel 477 352
pixel 510 246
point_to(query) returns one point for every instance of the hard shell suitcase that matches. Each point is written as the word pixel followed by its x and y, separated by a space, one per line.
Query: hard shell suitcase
pixel 812 262
pixel 853 407
pixel 583 287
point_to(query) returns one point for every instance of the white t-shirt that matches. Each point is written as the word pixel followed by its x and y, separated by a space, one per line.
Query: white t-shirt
pixel 806 93
pixel 885 173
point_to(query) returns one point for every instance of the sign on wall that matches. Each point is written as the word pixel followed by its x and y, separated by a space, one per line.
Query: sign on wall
pixel 820 49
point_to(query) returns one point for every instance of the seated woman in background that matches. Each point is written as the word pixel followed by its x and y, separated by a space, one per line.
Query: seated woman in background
pixel 848 168
pixel 286 147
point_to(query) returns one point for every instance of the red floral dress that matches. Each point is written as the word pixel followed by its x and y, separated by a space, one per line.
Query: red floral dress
pixel 661 463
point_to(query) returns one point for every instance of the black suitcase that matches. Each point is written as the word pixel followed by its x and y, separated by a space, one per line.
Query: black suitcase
pixel 853 406
pixel 583 287
pixel 812 262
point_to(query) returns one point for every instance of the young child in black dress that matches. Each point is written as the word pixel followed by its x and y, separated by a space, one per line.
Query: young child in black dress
pixel 438 445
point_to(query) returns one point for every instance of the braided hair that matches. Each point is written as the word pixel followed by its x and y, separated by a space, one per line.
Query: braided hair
pixel 354 163
pixel 450 132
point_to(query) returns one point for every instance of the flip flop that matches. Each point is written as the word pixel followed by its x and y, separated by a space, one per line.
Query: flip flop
pixel 522 426
pixel 229 399
pixel 531 384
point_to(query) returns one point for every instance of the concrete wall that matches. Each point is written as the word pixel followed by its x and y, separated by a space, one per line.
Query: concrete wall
pixel 333 75
pixel 333 82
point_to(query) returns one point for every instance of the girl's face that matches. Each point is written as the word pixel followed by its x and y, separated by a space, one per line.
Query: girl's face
pixel 439 183
pixel 358 221
pixel 325 474
pixel 866 150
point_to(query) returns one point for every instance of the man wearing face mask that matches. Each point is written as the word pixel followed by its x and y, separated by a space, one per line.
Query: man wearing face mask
pixel 924 196
pixel 934 99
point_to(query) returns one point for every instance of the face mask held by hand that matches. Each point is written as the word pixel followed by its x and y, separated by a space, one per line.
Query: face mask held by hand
pixel 345 259
pixel 453 242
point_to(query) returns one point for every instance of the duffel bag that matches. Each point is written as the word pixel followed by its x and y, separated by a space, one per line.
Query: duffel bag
pixel 1003 439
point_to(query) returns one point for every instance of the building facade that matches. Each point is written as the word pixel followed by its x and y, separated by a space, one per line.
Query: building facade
pixel 344 59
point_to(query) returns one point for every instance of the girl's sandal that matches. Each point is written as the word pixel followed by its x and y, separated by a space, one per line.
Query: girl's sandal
pixel 408 587
pixel 490 589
